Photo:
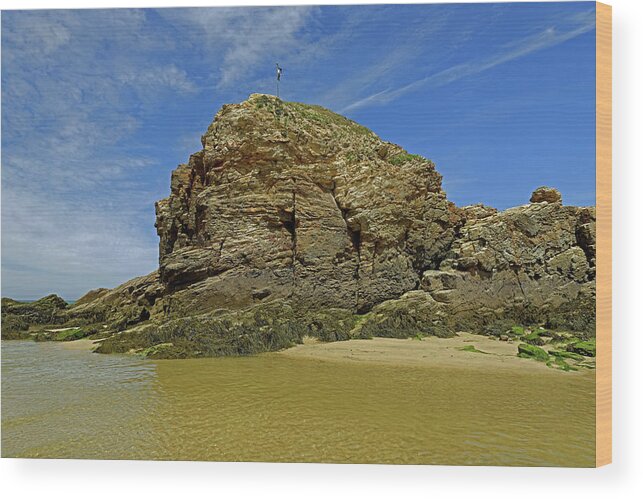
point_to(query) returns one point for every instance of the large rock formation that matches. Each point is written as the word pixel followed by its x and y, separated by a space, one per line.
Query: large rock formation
pixel 288 201
pixel 293 220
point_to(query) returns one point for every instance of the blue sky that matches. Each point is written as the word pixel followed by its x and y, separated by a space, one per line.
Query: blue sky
pixel 99 106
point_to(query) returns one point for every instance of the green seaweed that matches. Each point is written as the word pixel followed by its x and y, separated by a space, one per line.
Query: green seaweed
pixel 528 351
pixel 562 365
pixel 518 330
pixel 567 355
pixel 471 348
pixel 76 333
pixel 585 348
pixel 534 338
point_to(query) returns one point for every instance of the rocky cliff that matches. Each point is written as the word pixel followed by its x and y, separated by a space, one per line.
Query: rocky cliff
pixel 288 201
pixel 293 220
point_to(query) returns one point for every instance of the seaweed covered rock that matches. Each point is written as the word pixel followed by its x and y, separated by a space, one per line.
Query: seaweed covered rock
pixel 532 352
pixel 261 328
pixel 585 348
pixel 43 311
pixel 14 327
pixel 415 313
pixel 18 316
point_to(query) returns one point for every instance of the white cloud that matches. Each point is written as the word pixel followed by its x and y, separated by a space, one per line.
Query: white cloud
pixel 548 37
pixel 72 206
pixel 76 211
pixel 168 76
pixel 241 40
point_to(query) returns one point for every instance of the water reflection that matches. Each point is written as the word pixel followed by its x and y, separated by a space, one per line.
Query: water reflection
pixel 60 402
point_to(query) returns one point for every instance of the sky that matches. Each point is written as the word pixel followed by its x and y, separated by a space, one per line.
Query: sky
pixel 99 106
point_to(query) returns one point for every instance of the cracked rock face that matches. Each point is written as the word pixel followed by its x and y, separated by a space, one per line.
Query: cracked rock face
pixel 530 264
pixel 292 201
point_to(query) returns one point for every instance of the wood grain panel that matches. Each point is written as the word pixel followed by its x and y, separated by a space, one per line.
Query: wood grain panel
pixel 603 234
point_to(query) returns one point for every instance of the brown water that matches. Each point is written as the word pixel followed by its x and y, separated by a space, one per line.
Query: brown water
pixel 63 402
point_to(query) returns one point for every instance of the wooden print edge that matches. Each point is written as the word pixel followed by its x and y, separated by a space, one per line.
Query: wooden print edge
pixel 603 234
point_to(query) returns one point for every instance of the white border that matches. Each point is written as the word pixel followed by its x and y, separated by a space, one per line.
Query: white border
pixel 116 479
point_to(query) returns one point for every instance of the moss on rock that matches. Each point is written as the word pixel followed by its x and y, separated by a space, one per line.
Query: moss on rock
pixel 263 328
pixel 414 313
pixel 567 355
pixel 76 333
pixel 534 338
pixel 471 348
pixel 559 363
pixel 585 348
pixel 528 351
pixel 18 316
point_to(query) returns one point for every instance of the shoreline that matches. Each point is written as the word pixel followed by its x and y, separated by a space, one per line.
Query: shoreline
pixel 484 354
pixel 82 344
pixel 429 352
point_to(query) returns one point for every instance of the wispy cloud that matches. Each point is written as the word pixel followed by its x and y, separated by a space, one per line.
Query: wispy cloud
pixel 235 42
pixel 548 37
pixel 73 85
pixel 82 92
pixel 168 77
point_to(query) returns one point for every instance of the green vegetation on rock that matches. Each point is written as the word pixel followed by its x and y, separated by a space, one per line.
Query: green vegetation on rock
pixel 76 333
pixel 406 317
pixel 269 327
pixel 471 348
pixel 401 158
pixel 559 363
pixel 586 348
pixel 263 328
pixel 528 351
pixel 67 334
pixel 517 330
pixel 534 338
pixel 567 355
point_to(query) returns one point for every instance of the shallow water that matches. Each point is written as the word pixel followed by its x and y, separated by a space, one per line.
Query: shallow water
pixel 63 402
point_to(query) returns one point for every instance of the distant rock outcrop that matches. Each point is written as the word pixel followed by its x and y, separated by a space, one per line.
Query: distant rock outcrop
pixel 546 195
pixel 17 316
pixel 293 220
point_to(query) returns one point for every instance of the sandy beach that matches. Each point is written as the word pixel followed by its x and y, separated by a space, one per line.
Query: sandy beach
pixel 428 352
pixel 82 344
pixel 489 353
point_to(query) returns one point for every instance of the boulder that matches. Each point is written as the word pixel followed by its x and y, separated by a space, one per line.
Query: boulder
pixel 546 195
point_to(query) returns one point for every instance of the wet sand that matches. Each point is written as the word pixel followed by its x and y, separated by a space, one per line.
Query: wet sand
pixel 82 344
pixel 428 352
